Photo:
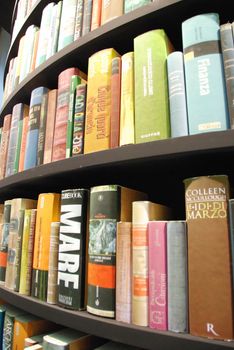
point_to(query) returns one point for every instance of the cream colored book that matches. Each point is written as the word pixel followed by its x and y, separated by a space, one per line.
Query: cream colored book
pixel 53 264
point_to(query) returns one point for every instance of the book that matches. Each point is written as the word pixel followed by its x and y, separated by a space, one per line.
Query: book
pixel 210 287
pixel 4 240
pixel 177 94
pixel 177 276
pixel 48 210
pixel 127 109
pixel 42 128
pixel 67 23
pixel 50 120
pixel 2 317
pixel 8 328
pixel 87 15
pixel 34 50
pixel 18 205
pixel 96 14
pixel 124 272
pixel 158 304
pixel 108 205
pixel 61 118
pixel 52 290
pixel 151 88
pixel 54 30
pixel 36 101
pixel 23 142
pixel 72 248
pixel 27 251
pixel 97 122
pixel 111 9
pixel 142 213
pixel 75 80
pixel 204 74
pixel 79 120
pixel 130 5
pixel 79 19
pixel 4 144
pixel 20 60
pixel 115 101
pixel 227 46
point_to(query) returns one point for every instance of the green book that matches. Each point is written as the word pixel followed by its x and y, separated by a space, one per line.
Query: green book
pixel 152 121
pixel 130 5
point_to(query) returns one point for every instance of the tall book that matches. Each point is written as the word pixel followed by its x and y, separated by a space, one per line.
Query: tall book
pixel 67 23
pixel 204 74
pixel 34 50
pixel 27 251
pixel 130 5
pixel 87 16
pixel 96 14
pixel 111 9
pixel 61 119
pixel 36 101
pixel 151 89
pixel 79 120
pixel 23 142
pixel 4 240
pixel 142 213
pixel 97 123
pixel 127 109
pixel 52 290
pixel 50 120
pixel 210 285
pixel 227 45
pixel 124 272
pixel 115 101
pixel 72 248
pixel 177 94
pixel 18 205
pixel 54 30
pixel 177 276
pixel 4 144
pixel 20 59
pixel 42 128
pixel 157 236
pixel 79 19
pixel 48 210
pixel 108 205
pixel 8 330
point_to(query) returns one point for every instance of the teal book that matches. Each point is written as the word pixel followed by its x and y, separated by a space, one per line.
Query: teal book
pixel 42 128
pixel 130 5
pixel 87 15
pixel 2 317
pixel 31 150
pixel 177 94
pixel 8 328
pixel 67 23
pixel 204 74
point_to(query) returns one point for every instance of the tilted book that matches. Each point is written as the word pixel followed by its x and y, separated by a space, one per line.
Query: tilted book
pixel 130 5
pixel 177 94
pixel 204 74
pixel 152 121
pixel 72 248
pixel 209 257
pixel 52 290
pixel 4 144
pixel 4 240
pixel 79 120
pixel 177 276
pixel 108 205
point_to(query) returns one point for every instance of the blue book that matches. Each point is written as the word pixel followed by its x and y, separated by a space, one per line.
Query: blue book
pixel 204 74
pixel 177 94
pixel 31 150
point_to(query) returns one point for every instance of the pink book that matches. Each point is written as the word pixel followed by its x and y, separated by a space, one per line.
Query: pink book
pixel 157 275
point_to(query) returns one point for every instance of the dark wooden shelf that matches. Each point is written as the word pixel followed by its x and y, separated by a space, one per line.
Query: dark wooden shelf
pixel 110 329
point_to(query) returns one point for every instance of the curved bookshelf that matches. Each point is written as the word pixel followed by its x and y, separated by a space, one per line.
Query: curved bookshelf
pixel 111 329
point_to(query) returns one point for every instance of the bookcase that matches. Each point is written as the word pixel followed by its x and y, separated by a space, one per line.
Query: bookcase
pixel 157 168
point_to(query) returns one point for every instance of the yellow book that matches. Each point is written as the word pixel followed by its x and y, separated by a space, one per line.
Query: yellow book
pixel 98 106
pixel 127 100
pixel 48 211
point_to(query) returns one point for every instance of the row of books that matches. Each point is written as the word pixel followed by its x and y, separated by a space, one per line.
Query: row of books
pixel 132 261
pixel 61 24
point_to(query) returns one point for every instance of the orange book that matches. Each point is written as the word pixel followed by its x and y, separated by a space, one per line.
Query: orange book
pixel 98 105
pixel 115 102
pixel 48 210
pixel 96 14
pixel 111 9
pixel 23 142
pixel 34 54
pixel 49 133
pixel 4 144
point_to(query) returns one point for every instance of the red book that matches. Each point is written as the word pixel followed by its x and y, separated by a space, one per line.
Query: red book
pixel 23 143
pixel 4 144
pixel 115 101
pixel 49 132
pixel 96 14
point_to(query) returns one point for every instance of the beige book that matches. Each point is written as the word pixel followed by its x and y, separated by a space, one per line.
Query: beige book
pixel 53 263
pixel 111 9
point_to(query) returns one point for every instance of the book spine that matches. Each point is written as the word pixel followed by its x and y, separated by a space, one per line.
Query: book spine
pixel 227 45
pixel 111 9
pixel 35 48
pixel 177 276
pixel 67 23
pixel 8 331
pixel 124 272
pixel 24 252
pixel 72 248
pixel 23 142
pixel 177 94
pixel 21 129
pixel 79 120
pixel 53 264
pixel 115 101
pixel 79 19
pixel 87 15
pixel 130 5
pixel 127 110
pixel 42 128
pixel 4 144
pixel 50 120
pixel 157 236
pixel 4 241
pixel 206 200
pixel 54 30
pixel 96 14
pixel 204 75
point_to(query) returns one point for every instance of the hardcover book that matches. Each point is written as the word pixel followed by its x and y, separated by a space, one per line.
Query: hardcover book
pixel 79 19
pixel 79 120
pixel 115 101
pixel 87 16
pixel 27 54
pixel 42 128
pixel 72 248
pixel 67 23
pixel 130 5
pixel 210 284
pixel 108 205
pixel 8 329
pixel 97 122
pixel 49 131
pixel 204 74
pixel 54 30
pixel 151 88
pixel 177 94
pixel 111 9
pixel 96 14
pixel 4 144
pixel 4 240
pixel 52 290
pixel 23 142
